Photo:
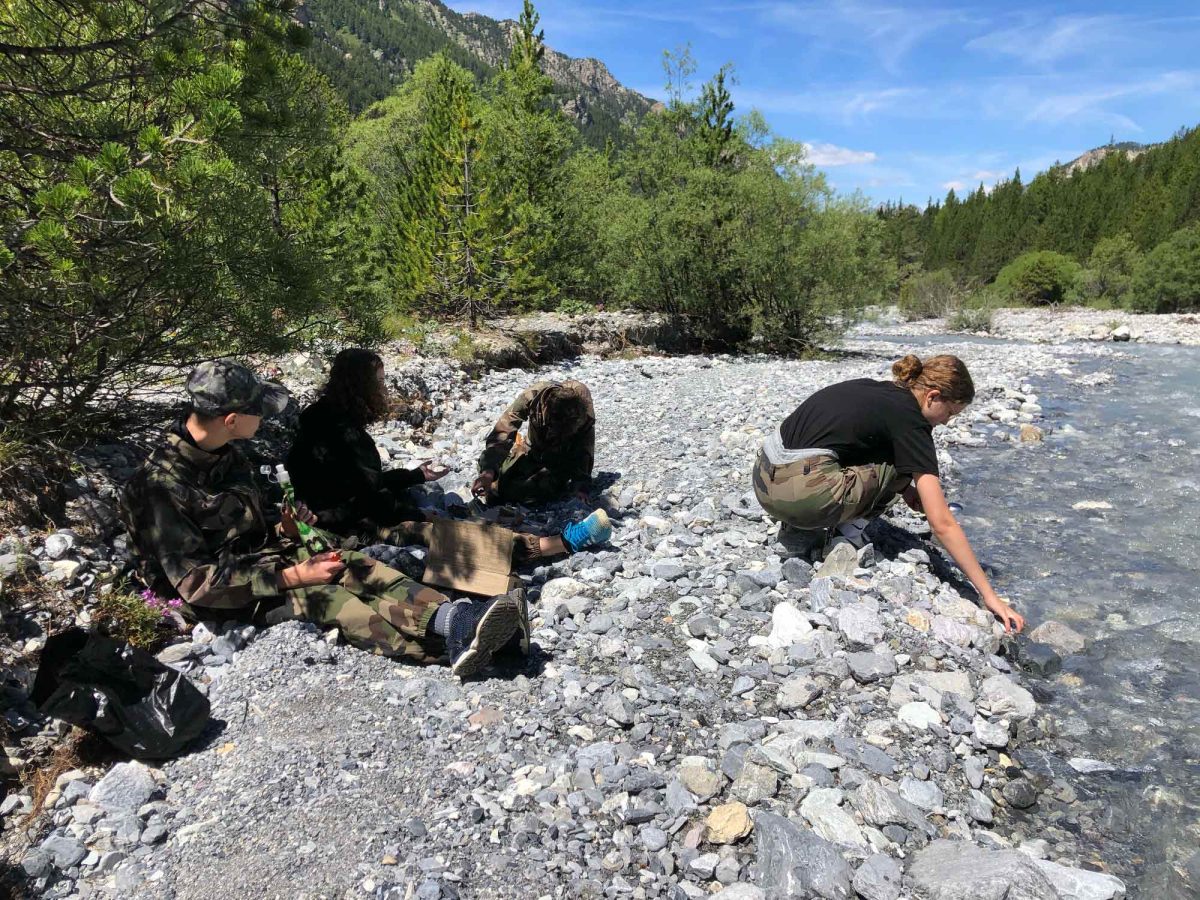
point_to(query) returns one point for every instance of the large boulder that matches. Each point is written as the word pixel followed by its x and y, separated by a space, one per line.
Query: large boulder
pixel 795 864
pixel 955 870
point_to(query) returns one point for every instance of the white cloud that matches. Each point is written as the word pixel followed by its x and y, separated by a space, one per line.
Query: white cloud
pixel 956 186
pixel 833 155
pixel 1045 41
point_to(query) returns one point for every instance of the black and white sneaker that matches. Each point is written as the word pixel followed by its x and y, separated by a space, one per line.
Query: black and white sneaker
pixel 478 629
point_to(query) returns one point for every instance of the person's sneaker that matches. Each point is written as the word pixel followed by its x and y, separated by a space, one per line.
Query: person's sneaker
pixel 595 529
pixel 519 642
pixel 478 629
pixel 853 532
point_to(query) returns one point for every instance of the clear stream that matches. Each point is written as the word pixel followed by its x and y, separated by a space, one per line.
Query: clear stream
pixel 1127 578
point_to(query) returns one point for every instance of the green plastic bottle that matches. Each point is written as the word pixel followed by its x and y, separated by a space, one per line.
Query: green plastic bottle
pixel 314 539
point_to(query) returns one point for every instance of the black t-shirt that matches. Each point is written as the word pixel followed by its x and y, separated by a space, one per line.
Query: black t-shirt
pixel 864 422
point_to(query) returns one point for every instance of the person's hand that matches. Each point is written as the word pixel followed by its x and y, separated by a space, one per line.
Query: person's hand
pixel 319 569
pixel 432 472
pixel 482 487
pixel 913 499
pixel 289 518
pixel 1013 621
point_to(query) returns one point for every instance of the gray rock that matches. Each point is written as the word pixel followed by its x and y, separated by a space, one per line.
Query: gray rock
pixel 861 626
pixel 667 570
pixel 798 692
pixel 1040 659
pixel 64 852
pixel 37 862
pixel 866 755
pixel 980 807
pixel 653 839
pixel 1019 793
pixel 1080 884
pixel 956 870
pixel 880 807
pixel 1004 697
pixel 924 794
pixel 990 734
pixel 878 878
pixel 973 768
pixel 1064 639
pixel 754 784
pixel 822 808
pixel 841 562
pixel 797 571
pixel 125 788
pixel 620 710
pixel 740 892
pixel 869 667
pixel 795 864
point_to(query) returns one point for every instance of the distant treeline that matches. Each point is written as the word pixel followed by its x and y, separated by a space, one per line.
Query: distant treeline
pixel 1122 204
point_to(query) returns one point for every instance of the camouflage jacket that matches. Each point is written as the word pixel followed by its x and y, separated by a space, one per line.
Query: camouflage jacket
pixel 572 456
pixel 196 518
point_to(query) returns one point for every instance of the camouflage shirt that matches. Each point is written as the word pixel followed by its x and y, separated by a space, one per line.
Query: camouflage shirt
pixel 568 447
pixel 196 518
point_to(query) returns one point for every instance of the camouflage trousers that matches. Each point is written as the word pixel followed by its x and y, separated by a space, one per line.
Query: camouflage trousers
pixel 818 493
pixel 528 477
pixel 376 609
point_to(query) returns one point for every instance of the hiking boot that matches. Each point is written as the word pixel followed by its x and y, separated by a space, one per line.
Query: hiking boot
pixel 478 629
pixel 852 531
pixel 595 529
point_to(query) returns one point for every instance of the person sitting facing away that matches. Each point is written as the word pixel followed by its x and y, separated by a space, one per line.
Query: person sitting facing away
pixel 336 469
pixel 845 454
pixel 556 456
pixel 198 521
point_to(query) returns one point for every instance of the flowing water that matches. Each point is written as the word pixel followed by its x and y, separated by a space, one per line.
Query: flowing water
pixel 1123 570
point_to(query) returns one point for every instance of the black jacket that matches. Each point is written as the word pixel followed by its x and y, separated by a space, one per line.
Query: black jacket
pixel 337 472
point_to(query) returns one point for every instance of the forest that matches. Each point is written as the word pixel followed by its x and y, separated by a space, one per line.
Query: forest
pixel 1123 232
pixel 178 181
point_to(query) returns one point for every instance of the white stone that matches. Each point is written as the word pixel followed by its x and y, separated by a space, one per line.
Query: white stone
pixel 1004 697
pixel 1080 884
pixel 788 626
pixel 822 808
pixel 918 714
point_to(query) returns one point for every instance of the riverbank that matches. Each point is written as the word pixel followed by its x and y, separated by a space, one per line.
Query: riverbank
pixel 1056 326
pixel 695 687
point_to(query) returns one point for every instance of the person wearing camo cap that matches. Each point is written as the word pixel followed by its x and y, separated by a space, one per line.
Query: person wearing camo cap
pixel 199 524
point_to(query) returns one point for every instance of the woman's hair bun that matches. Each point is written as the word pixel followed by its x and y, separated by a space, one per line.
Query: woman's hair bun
pixel 908 369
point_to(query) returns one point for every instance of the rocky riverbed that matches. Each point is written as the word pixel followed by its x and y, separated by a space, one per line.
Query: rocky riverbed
pixel 705 712
pixel 1058 325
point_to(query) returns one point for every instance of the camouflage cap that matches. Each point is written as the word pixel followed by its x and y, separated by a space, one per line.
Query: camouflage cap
pixel 223 386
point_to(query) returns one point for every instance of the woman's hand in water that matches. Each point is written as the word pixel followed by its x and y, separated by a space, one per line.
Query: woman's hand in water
pixel 1013 620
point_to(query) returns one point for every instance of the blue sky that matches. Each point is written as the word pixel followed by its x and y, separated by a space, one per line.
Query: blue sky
pixel 903 100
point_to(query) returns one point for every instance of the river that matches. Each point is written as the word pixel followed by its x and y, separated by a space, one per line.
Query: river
pixel 1097 527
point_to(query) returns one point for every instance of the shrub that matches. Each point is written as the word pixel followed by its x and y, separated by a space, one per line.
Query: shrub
pixel 929 295
pixel 569 306
pixel 1041 277
pixel 1168 279
pixel 973 319
pixel 141 619
pixel 1109 274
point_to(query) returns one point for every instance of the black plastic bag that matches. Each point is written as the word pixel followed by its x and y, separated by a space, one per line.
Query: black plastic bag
pixel 140 706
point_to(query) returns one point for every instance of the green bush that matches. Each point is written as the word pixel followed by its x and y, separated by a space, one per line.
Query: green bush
pixel 929 295
pixel 973 319
pixel 141 619
pixel 1168 279
pixel 1041 277
pixel 1109 274
pixel 569 306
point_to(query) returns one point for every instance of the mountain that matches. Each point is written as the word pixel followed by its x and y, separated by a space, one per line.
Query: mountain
pixel 1131 149
pixel 367 47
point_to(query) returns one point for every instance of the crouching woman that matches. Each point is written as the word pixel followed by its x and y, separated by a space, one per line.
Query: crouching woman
pixel 848 451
